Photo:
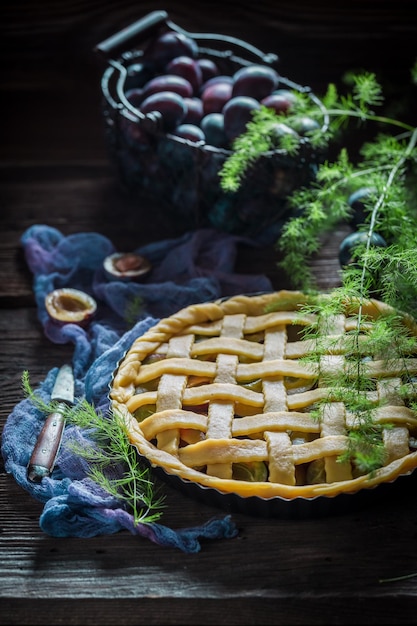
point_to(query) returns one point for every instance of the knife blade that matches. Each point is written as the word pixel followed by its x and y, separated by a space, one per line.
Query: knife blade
pixel 47 446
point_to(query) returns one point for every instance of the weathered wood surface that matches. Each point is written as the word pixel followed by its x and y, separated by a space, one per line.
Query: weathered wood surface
pixel 54 170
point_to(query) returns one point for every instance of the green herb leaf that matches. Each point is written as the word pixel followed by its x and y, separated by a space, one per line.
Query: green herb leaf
pixel 110 448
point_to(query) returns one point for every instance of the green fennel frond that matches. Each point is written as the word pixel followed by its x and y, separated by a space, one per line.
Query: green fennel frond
pixel 263 134
pixel 366 90
pixel 36 400
pixel 413 73
pixel 387 166
pixel 109 448
pixel 133 309
pixel 387 339
pixel 366 449
pixel 247 148
pixel 323 205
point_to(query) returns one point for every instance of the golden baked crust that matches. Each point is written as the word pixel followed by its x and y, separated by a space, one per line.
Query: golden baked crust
pixel 223 385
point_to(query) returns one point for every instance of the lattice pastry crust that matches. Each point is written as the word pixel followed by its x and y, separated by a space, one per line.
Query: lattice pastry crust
pixel 220 386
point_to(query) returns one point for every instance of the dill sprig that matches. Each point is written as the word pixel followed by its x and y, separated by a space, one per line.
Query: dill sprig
pixel 134 308
pixel 113 462
pixel 386 166
pixel 342 363
pixel 323 205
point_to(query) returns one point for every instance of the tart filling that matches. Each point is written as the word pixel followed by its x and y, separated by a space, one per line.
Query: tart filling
pixel 226 395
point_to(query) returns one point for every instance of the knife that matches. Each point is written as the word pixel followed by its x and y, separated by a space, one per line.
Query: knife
pixel 48 443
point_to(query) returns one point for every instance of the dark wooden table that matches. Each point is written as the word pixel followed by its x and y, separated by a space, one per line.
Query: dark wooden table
pixel 55 170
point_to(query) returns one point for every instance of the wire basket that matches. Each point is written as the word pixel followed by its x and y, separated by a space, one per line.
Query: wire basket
pixel 180 175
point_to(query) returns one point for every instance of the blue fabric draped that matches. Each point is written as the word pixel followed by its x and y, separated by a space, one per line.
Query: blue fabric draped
pixel 197 267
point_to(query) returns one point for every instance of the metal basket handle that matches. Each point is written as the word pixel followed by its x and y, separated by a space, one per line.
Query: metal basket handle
pixel 135 33
pixel 153 22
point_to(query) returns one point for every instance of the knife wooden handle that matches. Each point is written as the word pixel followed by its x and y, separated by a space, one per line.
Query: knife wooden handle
pixel 46 448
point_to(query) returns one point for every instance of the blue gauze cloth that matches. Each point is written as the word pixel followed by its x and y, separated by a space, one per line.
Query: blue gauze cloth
pixel 196 267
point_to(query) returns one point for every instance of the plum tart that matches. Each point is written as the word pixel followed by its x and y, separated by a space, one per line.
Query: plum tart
pixel 228 395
